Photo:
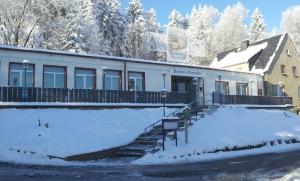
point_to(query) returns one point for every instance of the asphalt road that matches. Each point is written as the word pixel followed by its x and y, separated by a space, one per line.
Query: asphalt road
pixel 259 167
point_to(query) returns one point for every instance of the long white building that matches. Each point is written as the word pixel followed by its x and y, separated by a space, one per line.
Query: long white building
pixel 56 69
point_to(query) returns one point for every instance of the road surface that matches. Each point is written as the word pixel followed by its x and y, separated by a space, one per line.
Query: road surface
pixel 259 167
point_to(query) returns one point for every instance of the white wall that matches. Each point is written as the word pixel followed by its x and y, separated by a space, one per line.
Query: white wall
pixel 153 77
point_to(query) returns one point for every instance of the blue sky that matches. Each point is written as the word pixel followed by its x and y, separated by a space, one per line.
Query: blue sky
pixel 271 9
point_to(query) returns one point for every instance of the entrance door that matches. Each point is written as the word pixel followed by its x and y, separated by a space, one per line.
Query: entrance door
pixel 185 85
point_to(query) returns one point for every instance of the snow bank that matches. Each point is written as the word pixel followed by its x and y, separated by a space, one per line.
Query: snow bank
pixel 229 127
pixel 69 131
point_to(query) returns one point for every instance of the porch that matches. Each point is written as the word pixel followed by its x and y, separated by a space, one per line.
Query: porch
pixel 251 100
pixel 57 97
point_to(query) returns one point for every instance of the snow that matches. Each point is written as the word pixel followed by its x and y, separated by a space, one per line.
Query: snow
pixel 70 131
pixel 229 127
pixel 235 58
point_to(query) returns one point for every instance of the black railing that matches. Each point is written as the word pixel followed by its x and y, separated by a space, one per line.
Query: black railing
pixel 19 94
pixel 253 100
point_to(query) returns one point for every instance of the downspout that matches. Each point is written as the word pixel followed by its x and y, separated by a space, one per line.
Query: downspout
pixel 125 75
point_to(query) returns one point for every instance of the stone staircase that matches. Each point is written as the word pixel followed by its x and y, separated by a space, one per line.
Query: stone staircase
pixel 149 141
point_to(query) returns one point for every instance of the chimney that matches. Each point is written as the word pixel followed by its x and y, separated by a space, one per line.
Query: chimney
pixel 244 44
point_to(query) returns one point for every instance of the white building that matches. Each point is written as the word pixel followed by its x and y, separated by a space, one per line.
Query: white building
pixel 56 69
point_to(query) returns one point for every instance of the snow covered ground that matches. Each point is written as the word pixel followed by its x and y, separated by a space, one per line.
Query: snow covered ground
pixel 228 127
pixel 69 131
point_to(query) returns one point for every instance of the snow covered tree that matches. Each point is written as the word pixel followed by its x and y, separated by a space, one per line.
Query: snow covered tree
pixel 202 22
pixel 258 26
pixel 290 23
pixel 177 20
pixel 151 23
pixel 134 35
pixel 18 23
pixel 111 25
pixel 231 29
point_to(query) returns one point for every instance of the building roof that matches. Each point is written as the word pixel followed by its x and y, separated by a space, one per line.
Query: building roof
pixel 114 58
pixel 259 55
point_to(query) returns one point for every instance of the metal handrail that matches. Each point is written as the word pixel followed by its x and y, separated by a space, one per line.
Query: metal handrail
pixel 173 113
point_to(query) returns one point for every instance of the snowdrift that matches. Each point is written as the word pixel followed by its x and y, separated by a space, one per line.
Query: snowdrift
pixel 232 131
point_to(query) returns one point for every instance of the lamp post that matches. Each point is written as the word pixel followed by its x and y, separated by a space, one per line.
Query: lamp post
pixel 164 92
pixel 196 92
pixel 103 80
pixel 251 82
pixel 219 89
pixel 25 66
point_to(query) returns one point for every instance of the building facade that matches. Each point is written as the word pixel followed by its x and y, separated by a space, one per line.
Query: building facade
pixel 275 58
pixel 55 69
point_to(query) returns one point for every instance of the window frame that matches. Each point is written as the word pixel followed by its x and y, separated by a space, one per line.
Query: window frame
pixel 294 71
pixel 19 63
pixel 144 79
pixel 247 88
pixel 224 82
pixel 282 69
pixel 82 68
pixel 120 81
pixel 56 66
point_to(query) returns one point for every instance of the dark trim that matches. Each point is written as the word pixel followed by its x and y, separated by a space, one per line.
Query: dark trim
pixel 144 79
pixel 82 68
pixel 33 76
pixel 121 59
pixel 125 72
pixel 65 71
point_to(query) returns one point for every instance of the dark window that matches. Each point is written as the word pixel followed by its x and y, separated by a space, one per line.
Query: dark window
pixel 241 89
pixel 259 92
pixel 17 75
pixel 294 70
pixel 136 81
pixel 282 69
pixel 85 78
pixel 54 77
pixel 222 87
pixel 113 80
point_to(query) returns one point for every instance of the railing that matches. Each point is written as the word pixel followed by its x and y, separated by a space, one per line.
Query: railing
pixel 19 94
pixel 253 100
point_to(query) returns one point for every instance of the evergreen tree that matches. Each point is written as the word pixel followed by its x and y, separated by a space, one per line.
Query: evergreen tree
pixel 110 23
pixel 134 35
pixel 257 27
pixel 151 23
pixel 177 20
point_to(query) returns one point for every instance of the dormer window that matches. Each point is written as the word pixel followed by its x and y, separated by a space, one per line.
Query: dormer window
pixel 282 69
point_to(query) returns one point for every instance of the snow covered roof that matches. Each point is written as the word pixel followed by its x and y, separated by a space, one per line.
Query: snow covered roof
pixel 259 55
pixel 234 58
pixel 105 57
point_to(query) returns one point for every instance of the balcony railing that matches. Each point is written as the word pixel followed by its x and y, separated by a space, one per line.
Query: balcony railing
pixel 19 94
pixel 252 100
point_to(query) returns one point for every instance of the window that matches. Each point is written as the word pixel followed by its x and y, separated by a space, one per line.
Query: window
pixel 282 69
pixel 85 78
pixel 112 80
pixel 54 77
pixel 136 81
pixel 222 87
pixel 287 51
pixel 17 75
pixel 294 70
pixel 241 89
